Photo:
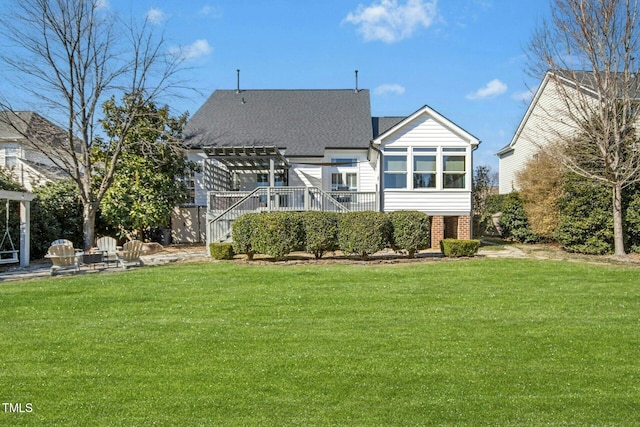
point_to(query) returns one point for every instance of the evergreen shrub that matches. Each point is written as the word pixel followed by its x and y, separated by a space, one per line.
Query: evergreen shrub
pixel 221 250
pixel 514 221
pixel 242 231
pixel 410 231
pixel 459 248
pixel 363 233
pixel 278 233
pixel 320 232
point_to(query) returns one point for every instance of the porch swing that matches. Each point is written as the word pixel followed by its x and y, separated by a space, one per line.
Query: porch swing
pixel 7 256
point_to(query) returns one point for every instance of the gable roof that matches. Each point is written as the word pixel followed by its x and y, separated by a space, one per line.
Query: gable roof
pixel 301 122
pixel 20 125
pixel 572 78
pixel 433 114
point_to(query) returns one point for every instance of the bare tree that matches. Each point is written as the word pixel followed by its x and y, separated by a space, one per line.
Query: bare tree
pixel 588 49
pixel 71 56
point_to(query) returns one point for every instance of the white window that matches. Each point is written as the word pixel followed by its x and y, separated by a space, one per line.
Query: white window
pixel 454 168
pixel 344 174
pixel 395 168
pixel 190 186
pixel 425 167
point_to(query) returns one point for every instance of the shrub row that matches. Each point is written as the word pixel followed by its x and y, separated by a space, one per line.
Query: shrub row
pixel 361 233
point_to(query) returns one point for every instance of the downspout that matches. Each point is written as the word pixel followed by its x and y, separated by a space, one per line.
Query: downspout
pixel 380 190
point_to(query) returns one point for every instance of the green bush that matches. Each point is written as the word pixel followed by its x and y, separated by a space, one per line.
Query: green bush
pixel 632 221
pixel 459 248
pixel 221 250
pixel 320 231
pixel 363 233
pixel 410 231
pixel 586 219
pixel 242 231
pixel 278 233
pixel 514 221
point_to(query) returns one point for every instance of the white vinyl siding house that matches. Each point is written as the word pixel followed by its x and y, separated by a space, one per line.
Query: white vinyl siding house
pixel 297 150
pixel 546 120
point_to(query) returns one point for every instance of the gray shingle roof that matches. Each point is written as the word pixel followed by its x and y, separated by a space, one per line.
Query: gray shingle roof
pixel 302 122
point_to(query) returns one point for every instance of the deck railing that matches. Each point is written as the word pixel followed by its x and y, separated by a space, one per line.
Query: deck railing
pixel 225 206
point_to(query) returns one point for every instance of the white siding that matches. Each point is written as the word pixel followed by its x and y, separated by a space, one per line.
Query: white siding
pixel 305 172
pixel 425 131
pixel 546 121
pixel 434 203
pixel 367 177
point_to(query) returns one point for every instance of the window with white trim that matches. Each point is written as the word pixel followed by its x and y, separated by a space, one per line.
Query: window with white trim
pixel 344 174
pixel 454 168
pixel 425 167
pixel 395 168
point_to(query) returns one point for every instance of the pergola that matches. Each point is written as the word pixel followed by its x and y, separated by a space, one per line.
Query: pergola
pixel 25 221
pixel 250 158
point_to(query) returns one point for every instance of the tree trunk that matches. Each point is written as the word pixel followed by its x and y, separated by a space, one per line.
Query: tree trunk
pixel 618 229
pixel 89 212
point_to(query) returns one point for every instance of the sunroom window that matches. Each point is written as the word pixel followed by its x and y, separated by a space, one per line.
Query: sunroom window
pixel 424 167
pixel 453 168
pixel 395 168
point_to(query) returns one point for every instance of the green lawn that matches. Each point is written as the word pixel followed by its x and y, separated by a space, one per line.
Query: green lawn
pixel 466 342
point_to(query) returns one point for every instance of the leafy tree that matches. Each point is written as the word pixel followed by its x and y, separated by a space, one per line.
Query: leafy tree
pixel 56 213
pixel 146 184
pixel 595 125
pixel 586 223
pixel 71 55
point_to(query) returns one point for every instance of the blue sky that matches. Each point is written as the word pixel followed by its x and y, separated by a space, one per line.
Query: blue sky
pixel 463 58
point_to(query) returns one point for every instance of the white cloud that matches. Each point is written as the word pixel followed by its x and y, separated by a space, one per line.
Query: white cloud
pixel 494 88
pixel 195 50
pixel 156 16
pixel 388 88
pixel 388 21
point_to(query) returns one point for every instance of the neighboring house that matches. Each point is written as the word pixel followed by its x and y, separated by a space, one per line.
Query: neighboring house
pixel 297 150
pixel 550 117
pixel 18 132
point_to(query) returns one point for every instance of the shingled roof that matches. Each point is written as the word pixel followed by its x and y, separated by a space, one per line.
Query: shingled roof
pixel 302 122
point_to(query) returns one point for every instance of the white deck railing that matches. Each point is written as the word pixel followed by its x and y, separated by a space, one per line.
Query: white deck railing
pixel 225 206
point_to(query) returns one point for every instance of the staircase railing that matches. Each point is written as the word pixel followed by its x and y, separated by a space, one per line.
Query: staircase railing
pixel 225 207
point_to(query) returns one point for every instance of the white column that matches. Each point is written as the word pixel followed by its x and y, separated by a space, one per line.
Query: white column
pixel 25 230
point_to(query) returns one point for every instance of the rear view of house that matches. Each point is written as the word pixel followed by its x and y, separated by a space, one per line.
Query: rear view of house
pixel 297 150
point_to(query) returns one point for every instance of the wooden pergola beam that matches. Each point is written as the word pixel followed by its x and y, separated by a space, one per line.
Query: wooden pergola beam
pixel 25 221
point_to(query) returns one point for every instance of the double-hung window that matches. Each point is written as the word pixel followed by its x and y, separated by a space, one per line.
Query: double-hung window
pixel 454 168
pixel 395 168
pixel 424 167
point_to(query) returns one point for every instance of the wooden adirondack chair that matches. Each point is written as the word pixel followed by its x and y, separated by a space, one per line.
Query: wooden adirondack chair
pixel 130 254
pixel 63 257
pixel 109 248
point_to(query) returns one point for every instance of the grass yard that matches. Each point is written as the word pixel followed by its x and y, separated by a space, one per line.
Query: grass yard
pixel 472 342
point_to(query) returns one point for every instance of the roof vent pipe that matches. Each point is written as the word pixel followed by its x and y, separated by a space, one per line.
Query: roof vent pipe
pixel 238 86
pixel 356 81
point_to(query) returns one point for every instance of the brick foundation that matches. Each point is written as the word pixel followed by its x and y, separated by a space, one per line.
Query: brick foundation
pixel 449 227
pixel 437 231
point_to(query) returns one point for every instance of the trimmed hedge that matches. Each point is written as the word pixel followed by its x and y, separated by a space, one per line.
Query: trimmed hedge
pixel 221 250
pixel 320 232
pixel 459 248
pixel 410 231
pixel 363 233
pixel 278 233
pixel 242 233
